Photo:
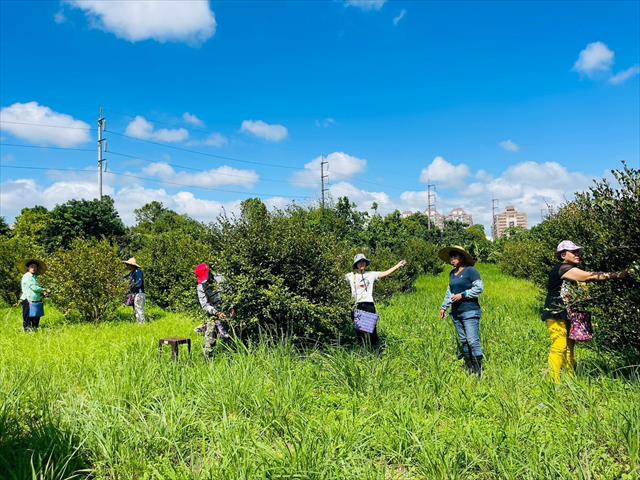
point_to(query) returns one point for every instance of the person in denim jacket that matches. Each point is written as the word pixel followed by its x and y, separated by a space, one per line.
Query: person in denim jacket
pixel 465 287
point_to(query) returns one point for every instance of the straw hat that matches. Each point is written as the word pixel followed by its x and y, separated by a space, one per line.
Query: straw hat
pixel 446 252
pixel 41 266
pixel 132 261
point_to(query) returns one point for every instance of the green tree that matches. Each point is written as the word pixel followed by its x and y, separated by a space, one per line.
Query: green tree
pixel 90 219
pixel 31 224
pixel 87 279
pixel 5 230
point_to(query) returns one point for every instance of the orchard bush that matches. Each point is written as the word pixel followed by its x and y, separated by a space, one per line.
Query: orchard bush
pixel 606 221
pixel 87 279
pixel 168 260
pixel 282 276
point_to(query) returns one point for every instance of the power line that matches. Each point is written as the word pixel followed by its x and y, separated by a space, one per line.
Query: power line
pixel 196 152
pixel 121 174
pixel 136 157
pixel 206 154
pixel 49 147
pixel 66 127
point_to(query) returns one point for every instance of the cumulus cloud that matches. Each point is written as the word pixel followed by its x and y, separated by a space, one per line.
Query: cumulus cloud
pixel 341 166
pixel 399 17
pixel 272 133
pixel 443 173
pixel 192 119
pixel 362 198
pixel 594 59
pixel 366 5
pixel 216 140
pixel 140 127
pixel 216 177
pixel 62 130
pixel 509 146
pixel 624 75
pixel 189 21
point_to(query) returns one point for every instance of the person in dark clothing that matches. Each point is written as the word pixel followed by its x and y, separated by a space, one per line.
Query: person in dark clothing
pixel 561 354
pixel 465 287
pixel 136 288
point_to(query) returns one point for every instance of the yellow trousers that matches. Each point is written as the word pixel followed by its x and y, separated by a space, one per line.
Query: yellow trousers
pixel 561 352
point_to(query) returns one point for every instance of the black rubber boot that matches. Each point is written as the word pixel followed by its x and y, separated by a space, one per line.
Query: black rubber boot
pixel 468 363
pixel 477 365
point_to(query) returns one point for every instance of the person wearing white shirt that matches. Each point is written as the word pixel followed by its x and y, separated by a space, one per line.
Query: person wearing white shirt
pixel 361 283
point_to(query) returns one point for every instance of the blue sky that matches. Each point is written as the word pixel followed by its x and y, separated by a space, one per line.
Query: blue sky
pixel 521 101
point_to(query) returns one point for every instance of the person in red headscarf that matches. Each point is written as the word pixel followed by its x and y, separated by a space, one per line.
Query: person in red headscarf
pixel 210 289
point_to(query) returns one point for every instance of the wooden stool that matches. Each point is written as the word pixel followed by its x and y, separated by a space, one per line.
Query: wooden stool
pixel 174 342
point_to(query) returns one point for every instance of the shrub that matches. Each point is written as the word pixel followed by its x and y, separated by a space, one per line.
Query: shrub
pixel 283 277
pixel 87 279
pixel 168 260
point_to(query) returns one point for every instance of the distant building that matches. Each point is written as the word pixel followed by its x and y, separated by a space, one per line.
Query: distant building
pixel 508 219
pixel 436 218
pixel 459 215
pixel 406 214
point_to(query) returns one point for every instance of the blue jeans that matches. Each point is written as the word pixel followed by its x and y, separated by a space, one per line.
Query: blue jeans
pixel 468 327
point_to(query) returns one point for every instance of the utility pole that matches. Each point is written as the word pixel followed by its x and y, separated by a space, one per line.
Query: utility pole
pixel 323 176
pixel 430 203
pixel 494 227
pixel 102 125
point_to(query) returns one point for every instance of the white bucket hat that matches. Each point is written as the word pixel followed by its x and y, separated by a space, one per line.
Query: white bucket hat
pixel 359 257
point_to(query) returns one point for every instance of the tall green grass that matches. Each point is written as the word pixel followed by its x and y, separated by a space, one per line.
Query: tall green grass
pixel 82 401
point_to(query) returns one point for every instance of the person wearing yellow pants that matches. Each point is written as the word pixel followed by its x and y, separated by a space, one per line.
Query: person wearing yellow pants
pixel 561 354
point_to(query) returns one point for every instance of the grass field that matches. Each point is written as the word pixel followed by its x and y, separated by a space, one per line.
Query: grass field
pixel 95 401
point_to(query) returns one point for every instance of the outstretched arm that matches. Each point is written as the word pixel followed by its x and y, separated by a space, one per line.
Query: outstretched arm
pixel 393 269
pixel 578 275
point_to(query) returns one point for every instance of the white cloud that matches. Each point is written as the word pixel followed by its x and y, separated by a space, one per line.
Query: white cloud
pixel 216 177
pixel 272 133
pixel 596 58
pixel 362 198
pixel 366 5
pixel 192 119
pixel 325 123
pixel 216 140
pixel 341 166
pixel 189 21
pixel 443 173
pixel 140 127
pixel 624 75
pixel 400 16
pixel 62 130
pixel 509 146
pixel 59 17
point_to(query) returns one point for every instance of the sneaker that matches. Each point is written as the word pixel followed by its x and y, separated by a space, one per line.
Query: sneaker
pixel 200 329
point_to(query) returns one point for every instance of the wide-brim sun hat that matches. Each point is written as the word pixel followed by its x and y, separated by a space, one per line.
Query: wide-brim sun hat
pixel 132 262
pixel 202 272
pixel 41 265
pixel 445 254
pixel 358 258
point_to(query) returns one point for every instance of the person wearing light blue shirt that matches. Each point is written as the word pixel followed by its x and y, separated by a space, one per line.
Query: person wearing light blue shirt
pixel 465 287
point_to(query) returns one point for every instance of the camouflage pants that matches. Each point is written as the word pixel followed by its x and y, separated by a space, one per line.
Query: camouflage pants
pixel 214 330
